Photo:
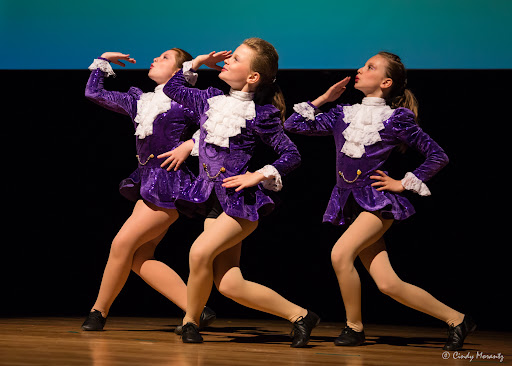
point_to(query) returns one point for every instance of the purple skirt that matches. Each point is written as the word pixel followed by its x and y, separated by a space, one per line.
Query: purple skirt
pixel 345 204
pixel 249 203
pixel 156 185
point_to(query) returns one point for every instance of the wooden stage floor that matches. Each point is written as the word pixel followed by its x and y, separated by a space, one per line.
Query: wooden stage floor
pixel 236 342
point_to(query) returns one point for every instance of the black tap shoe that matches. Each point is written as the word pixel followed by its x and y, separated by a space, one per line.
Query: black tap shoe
pixel 94 321
pixel 302 328
pixel 456 335
pixel 350 337
pixel 190 334
pixel 208 316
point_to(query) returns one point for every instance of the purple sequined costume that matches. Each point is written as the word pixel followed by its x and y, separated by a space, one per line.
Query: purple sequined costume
pixel 399 127
pixel 170 128
pixel 217 163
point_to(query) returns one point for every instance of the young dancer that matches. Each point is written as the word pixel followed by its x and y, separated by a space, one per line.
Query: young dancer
pixel 366 197
pixel 225 191
pixel 161 125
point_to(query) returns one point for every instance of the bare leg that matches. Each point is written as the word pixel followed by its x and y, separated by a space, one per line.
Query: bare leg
pixel 231 283
pixel 376 260
pixel 158 275
pixel 364 231
pixel 146 223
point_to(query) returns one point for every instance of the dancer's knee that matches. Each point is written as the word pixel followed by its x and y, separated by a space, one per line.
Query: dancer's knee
pixel 199 258
pixel 121 246
pixel 389 286
pixel 341 259
pixel 230 284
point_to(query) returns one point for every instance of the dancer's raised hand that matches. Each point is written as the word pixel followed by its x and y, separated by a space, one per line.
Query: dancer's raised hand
pixel 115 58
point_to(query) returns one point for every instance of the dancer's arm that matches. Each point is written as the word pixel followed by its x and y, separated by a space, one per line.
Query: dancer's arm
pixel 192 98
pixel 307 121
pixel 408 132
pixel 271 133
pixel 113 100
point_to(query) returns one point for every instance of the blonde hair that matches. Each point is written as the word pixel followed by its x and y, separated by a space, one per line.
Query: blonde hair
pixel 181 57
pixel 399 95
pixel 265 62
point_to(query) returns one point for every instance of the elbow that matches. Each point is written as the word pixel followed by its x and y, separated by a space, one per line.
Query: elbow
pixel 444 159
pixel 92 94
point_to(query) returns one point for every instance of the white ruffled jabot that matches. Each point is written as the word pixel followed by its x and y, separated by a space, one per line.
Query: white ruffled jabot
pixel 227 115
pixel 149 106
pixel 364 121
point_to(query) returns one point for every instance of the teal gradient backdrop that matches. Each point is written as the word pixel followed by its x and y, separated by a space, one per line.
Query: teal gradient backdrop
pixel 433 34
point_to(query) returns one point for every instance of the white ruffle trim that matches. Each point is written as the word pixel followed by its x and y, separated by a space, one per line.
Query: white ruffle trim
pixel 305 110
pixel 195 138
pixel 190 76
pixel 149 106
pixel 412 183
pixel 227 116
pixel 364 123
pixel 275 184
pixel 103 66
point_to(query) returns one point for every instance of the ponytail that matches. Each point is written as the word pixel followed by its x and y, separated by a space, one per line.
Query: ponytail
pixel 278 101
pixel 271 94
pixel 399 95
pixel 406 100
pixel 265 62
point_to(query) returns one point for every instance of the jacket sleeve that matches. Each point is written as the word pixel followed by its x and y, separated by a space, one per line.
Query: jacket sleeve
pixel 195 100
pixel 120 102
pixel 268 127
pixel 408 132
pixel 306 121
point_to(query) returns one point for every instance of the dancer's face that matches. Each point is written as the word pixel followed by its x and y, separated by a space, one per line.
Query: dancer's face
pixel 237 71
pixel 371 79
pixel 163 67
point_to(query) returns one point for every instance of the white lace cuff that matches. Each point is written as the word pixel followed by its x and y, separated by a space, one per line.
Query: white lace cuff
pixel 103 65
pixel 275 184
pixel 188 73
pixel 412 183
pixel 195 138
pixel 305 110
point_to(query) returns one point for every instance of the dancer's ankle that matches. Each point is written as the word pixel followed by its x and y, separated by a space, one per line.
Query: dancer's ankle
pixel 299 314
pixel 103 312
pixel 188 319
pixel 455 320
pixel 355 326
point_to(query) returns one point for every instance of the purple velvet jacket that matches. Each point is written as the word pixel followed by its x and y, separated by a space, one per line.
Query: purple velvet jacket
pixel 149 181
pixel 398 129
pixel 217 163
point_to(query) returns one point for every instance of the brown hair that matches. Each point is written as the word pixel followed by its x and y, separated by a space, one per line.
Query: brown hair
pixel 399 95
pixel 265 62
pixel 181 57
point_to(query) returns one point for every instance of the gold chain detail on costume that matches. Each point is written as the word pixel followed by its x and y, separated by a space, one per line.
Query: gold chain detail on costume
pixel 350 181
pixel 147 160
pixel 222 170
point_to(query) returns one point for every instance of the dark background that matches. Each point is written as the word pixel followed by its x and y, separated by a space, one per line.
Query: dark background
pixel 64 157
